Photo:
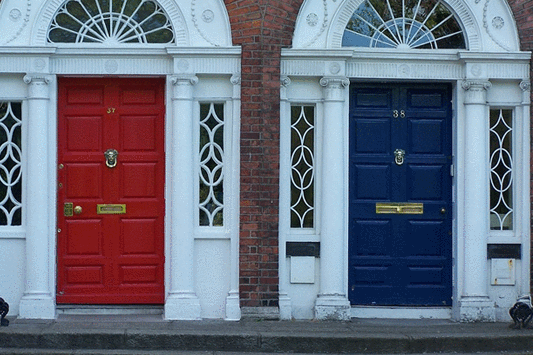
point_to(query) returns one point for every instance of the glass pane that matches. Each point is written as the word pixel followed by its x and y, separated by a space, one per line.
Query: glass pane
pixel 501 170
pixel 211 201
pixel 302 161
pixel 111 22
pixel 403 24
pixel 10 164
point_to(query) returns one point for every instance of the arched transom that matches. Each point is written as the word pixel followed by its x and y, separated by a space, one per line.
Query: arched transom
pixel 111 22
pixel 403 24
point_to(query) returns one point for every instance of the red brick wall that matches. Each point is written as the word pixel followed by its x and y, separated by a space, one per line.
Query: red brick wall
pixel 523 12
pixel 262 28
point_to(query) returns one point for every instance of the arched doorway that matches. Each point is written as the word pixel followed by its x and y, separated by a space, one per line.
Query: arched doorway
pixel 80 62
pixel 387 70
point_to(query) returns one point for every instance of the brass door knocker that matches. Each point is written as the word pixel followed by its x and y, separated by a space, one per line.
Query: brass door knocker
pixel 399 155
pixel 111 158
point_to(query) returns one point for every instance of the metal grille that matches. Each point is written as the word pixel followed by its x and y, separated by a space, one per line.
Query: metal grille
pixel 302 166
pixel 501 170
pixel 10 164
pixel 403 24
pixel 211 205
pixel 111 22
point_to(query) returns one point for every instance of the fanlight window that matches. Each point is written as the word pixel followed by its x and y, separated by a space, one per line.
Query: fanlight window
pixel 111 22
pixel 403 24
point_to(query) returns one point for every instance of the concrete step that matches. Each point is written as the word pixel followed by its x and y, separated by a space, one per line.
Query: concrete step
pixel 152 335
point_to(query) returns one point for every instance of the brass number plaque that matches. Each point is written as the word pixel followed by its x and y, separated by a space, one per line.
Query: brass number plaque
pixel 110 209
pixel 400 208
pixel 68 209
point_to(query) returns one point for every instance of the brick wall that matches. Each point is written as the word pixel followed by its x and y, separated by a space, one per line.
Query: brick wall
pixel 523 12
pixel 262 28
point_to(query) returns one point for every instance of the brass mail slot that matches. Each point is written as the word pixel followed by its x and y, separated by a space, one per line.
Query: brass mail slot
pixel 110 209
pixel 399 208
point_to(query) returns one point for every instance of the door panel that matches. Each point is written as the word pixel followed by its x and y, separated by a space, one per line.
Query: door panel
pixel 111 258
pixel 396 258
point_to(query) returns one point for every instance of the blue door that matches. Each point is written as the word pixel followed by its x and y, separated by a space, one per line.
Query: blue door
pixel 400 212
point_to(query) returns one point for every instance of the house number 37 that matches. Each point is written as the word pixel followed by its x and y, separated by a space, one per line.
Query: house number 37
pixel 111 110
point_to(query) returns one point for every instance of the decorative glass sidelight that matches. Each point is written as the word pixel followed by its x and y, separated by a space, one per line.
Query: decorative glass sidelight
pixel 501 170
pixel 111 22
pixel 404 24
pixel 10 164
pixel 211 205
pixel 302 166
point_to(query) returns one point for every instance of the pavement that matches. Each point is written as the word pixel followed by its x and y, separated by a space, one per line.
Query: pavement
pixel 150 334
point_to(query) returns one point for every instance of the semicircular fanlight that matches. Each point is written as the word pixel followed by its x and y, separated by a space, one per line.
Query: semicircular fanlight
pixel 111 22
pixel 403 24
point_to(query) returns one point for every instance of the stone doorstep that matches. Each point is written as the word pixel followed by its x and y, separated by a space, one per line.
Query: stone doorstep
pixel 273 338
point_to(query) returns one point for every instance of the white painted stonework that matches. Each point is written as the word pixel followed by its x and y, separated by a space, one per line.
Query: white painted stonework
pixel 201 263
pixel 490 73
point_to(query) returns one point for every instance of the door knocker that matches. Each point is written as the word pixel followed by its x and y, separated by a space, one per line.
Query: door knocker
pixel 111 158
pixel 399 155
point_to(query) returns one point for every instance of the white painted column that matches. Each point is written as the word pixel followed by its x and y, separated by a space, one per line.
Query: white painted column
pixel 182 302
pixel 37 301
pixel 233 308
pixel 332 302
pixel 285 304
pixel 475 304
pixel 524 180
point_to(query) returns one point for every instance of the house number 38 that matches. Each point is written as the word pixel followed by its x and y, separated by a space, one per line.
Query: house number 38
pixel 111 110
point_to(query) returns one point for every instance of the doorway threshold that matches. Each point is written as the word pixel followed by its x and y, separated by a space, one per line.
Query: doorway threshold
pixel 397 312
pixel 109 310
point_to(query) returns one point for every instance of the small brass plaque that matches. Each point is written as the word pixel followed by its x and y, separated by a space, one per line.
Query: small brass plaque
pixel 110 209
pixel 399 208
pixel 68 209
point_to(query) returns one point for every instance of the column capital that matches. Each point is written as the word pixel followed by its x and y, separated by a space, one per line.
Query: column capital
pixel 335 82
pixel 285 81
pixel 37 79
pixel 334 87
pixel 525 85
pixel 185 79
pixel 183 86
pixel 476 85
pixel 38 86
pixel 476 91
pixel 236 79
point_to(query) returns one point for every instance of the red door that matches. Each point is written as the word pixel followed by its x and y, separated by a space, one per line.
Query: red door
pixel 111 211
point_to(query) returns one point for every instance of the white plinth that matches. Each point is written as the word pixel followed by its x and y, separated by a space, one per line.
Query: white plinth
pixel 476 309
pixel 37 307
pixel 332 307
pixel 182 307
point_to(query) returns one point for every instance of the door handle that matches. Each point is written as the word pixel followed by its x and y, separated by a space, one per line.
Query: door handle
pixel 69 210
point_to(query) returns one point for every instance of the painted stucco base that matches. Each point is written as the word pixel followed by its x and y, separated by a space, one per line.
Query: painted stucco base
pixel 476 309
pixel 332 307
pixel 37 307
pixel 182 307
